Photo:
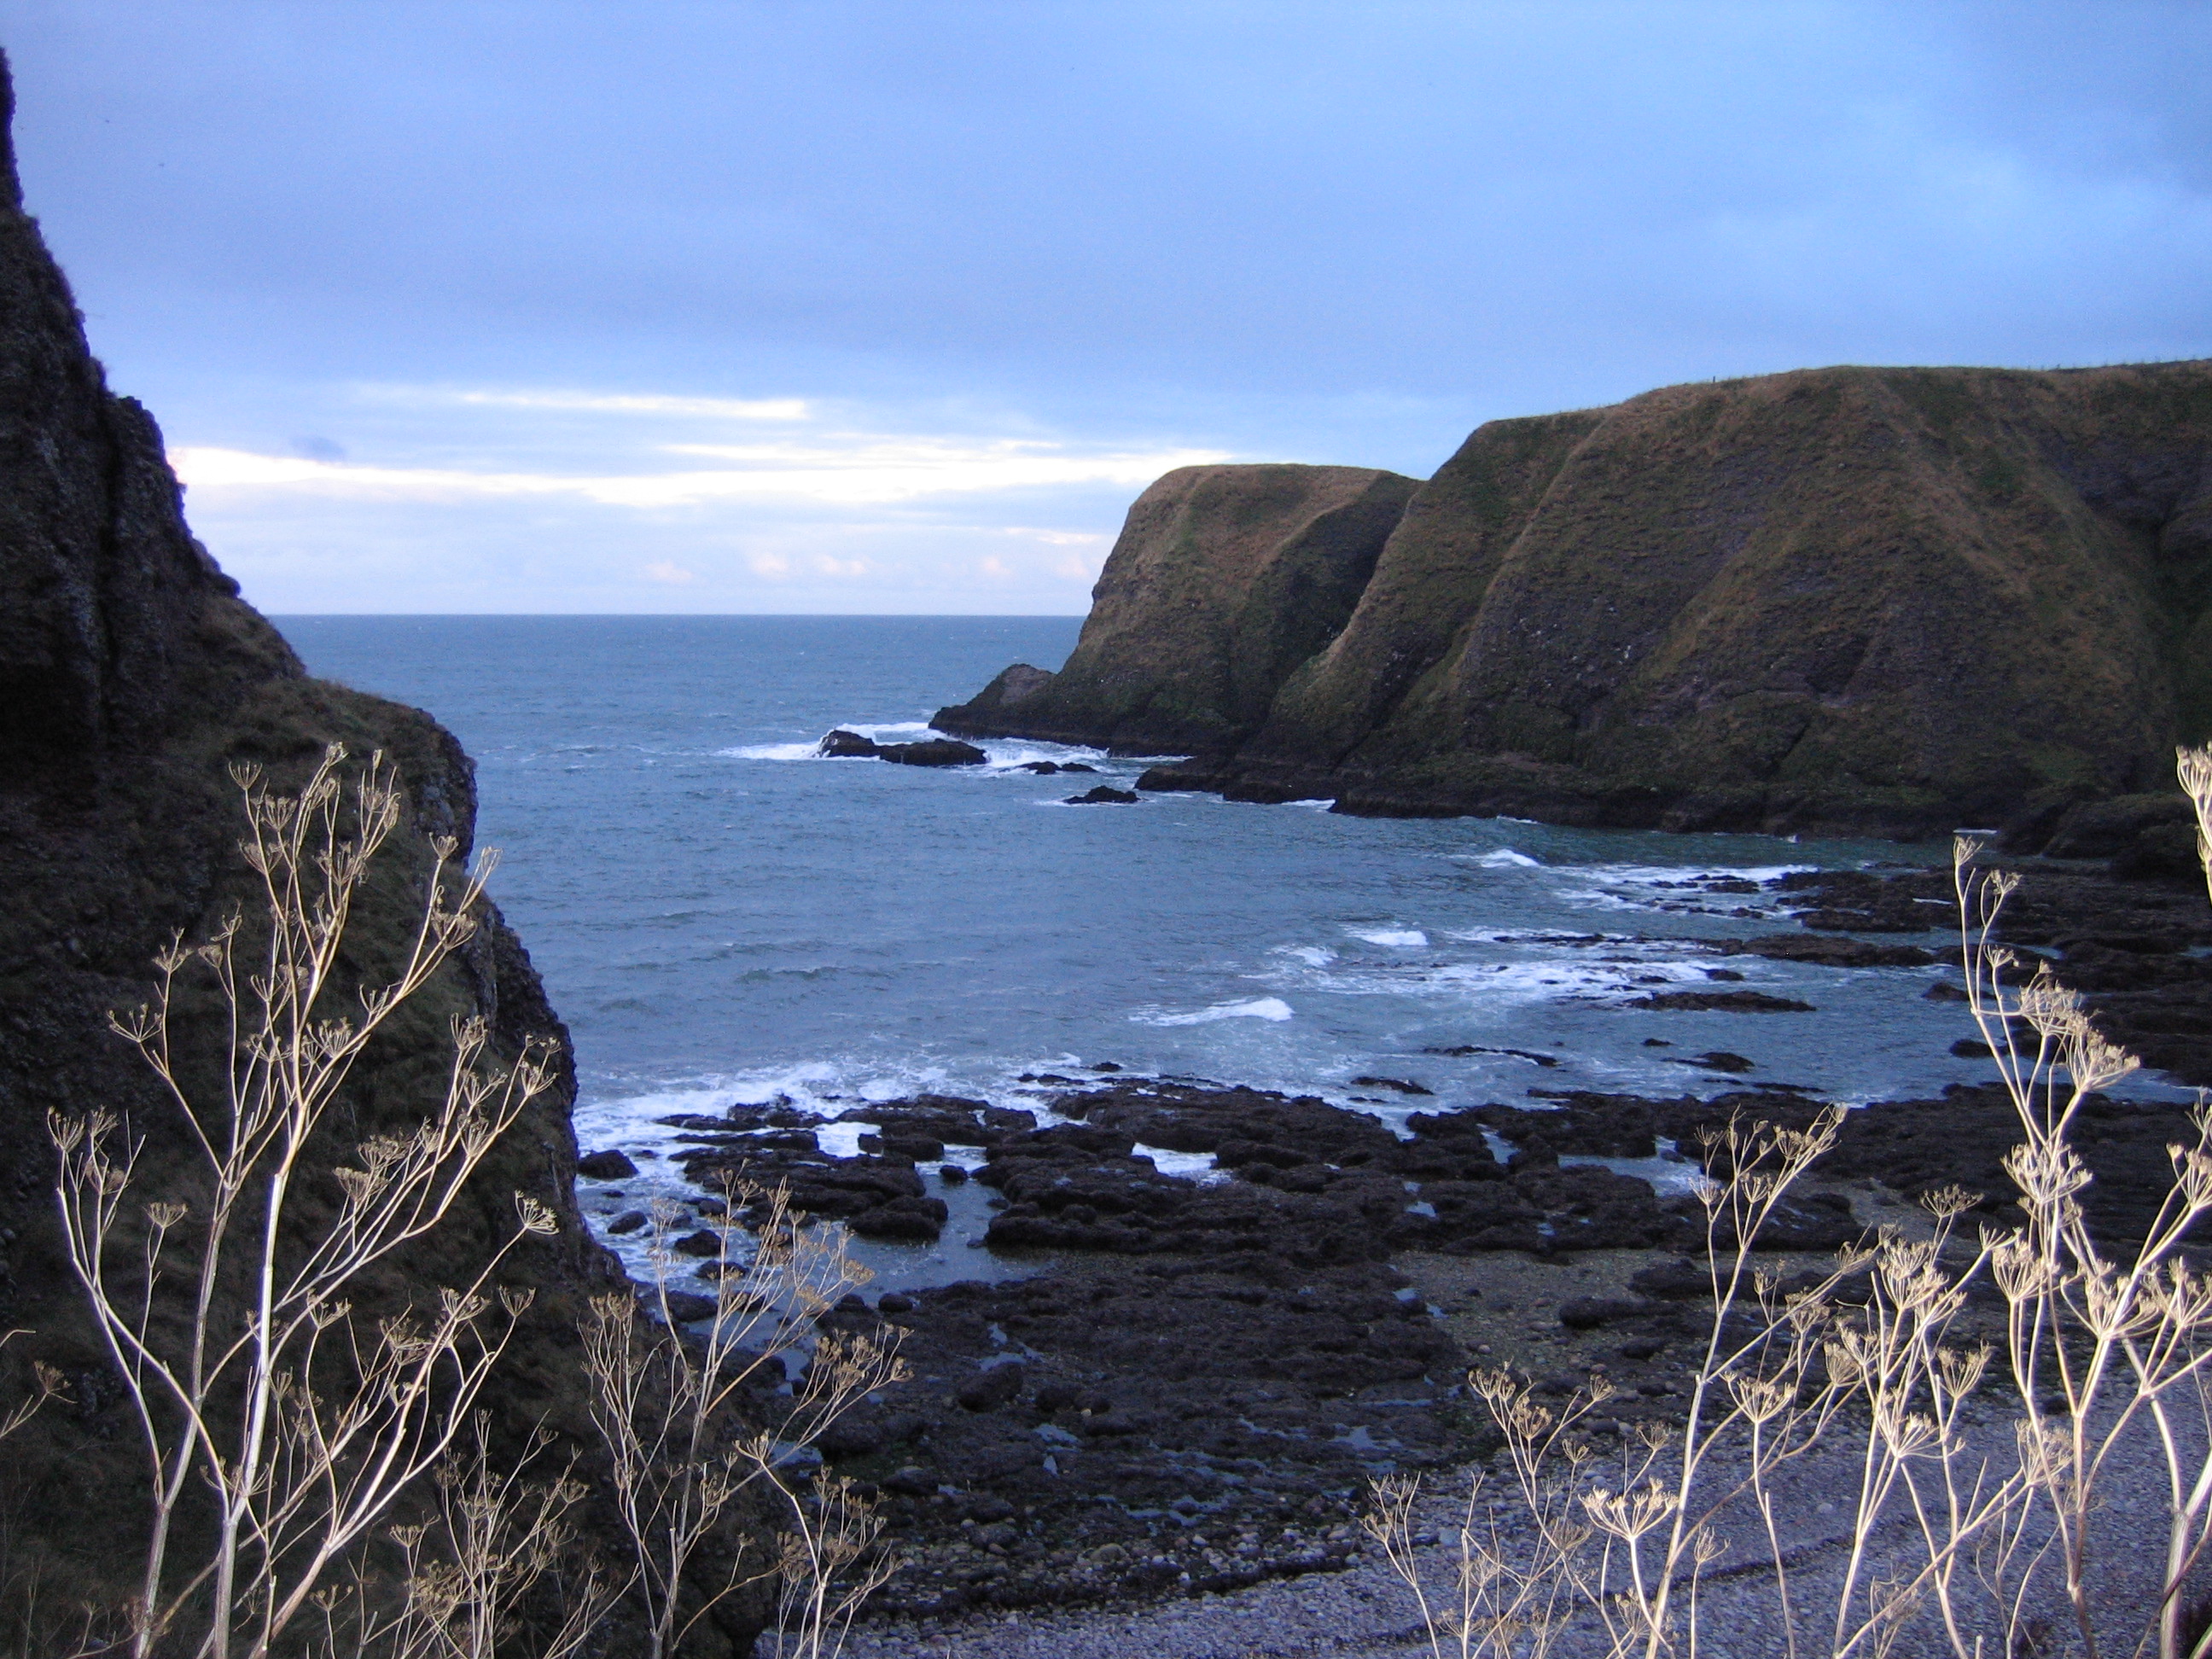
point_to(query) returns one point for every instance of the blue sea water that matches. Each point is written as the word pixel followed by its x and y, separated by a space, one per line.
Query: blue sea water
pixel 721 916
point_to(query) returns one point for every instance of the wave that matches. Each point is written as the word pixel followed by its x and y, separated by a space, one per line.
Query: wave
pixel 810 749
pixel 1505 859
pixel 1403 939
pixel 1273 1008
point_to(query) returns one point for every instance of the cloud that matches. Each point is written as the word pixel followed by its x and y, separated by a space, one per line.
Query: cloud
pixel 858 471
pixel 597 402
pixel 667 571
pixel 1056 538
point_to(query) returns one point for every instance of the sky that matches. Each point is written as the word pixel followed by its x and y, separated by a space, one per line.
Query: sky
pixel 894 306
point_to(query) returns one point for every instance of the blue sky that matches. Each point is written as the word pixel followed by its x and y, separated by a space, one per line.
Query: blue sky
pixel 894 307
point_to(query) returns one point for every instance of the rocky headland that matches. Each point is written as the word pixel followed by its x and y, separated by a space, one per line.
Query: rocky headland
pixel 1885 600
pixel 132 676
pixel 1841 600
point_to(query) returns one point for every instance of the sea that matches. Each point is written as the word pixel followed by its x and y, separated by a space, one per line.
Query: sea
pixel 722 916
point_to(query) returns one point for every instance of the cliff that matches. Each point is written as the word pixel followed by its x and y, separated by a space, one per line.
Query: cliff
pixel 1225 578
pixel 130 675
pixel 1837 600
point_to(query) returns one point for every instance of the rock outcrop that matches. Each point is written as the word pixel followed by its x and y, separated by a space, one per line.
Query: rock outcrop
pixel 131 674
pixel 1225 578
pixel 1842 599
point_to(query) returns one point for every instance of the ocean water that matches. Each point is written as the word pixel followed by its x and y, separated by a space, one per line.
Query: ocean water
pixel 721 916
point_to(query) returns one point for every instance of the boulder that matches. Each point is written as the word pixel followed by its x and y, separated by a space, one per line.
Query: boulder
pixel 841 744
pixel 1104 795
pixel 932 751
pixel 608 1165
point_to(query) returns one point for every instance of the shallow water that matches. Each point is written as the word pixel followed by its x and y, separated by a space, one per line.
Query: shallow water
pixel 721 917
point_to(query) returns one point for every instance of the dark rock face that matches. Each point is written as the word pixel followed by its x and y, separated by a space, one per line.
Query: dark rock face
pixel 130 672
pixel 932 751
pixel 1724 1002
pixel 2132 947
pixel 1103 795
pixel 1225 580
pixel 841 744
pixel 1803 601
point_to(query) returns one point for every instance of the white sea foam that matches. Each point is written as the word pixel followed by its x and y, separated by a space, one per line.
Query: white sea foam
pixel 1652 887
pixel 1318 804
pixel 1258 1008
pixel 1506 984
pixel 1404 938
pixel 1506 858
pixel 1003 756
pixel 1313 955
pixel 1669 1176
pixel 773 752
pixel 1192 1166
pixel 880 731
pixel 843 1140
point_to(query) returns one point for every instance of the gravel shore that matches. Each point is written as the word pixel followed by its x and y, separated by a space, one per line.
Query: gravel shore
pixel 1366 1612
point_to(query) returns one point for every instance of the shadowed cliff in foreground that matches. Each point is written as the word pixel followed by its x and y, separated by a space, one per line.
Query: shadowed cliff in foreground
pixel 131 675
pixel 1842 599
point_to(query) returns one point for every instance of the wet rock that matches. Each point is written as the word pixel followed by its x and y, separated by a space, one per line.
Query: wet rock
pixel 609 1165
pixel 1827 950
pixel 932 751
pixel 1396 1085
pixel 704 1242
pixel 1104 795
pixel 2132 947
pixel 1719 1060
pixel 915 1219
pixel 1238 1398
pixel 684 1306
pixel 1462 1050
pixel 628 1222
pixel 841 744
pixel 1722 1002
pixel 996 1386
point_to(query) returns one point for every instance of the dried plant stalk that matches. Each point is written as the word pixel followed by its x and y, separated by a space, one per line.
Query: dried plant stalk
pixel 2099 1349
pixel 300 1428
pixel 692 1424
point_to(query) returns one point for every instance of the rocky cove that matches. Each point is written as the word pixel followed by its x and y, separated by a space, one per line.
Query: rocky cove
pixel 1198 1150
pixel 1165 1330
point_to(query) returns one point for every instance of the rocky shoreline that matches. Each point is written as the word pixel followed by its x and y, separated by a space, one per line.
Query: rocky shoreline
pixel 1235 1306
